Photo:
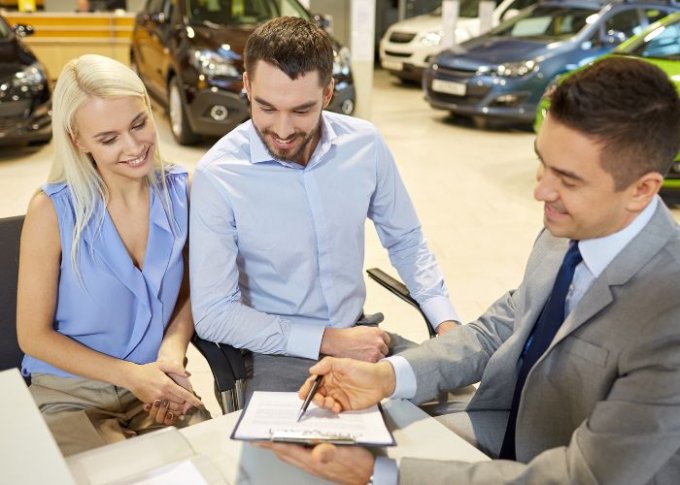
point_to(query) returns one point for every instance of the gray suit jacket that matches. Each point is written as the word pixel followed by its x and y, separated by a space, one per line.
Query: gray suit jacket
pixel 602 405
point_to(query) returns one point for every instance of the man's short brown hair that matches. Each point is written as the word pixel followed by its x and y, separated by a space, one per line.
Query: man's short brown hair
pixel 630 107
pixel 294 45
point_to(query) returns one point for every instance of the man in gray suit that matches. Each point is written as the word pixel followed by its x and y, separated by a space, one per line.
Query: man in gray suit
pixel 580 365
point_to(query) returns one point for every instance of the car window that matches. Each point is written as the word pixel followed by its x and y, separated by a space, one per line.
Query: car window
pixel 545 22
pixel 241 12
pixel 653 14
pixel 626 23
pixel 663 43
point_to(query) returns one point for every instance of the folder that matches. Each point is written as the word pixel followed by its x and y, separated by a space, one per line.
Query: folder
pixel 272 416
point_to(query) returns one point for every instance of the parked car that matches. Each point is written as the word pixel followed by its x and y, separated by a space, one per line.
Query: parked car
pixel 659 44
pixel 408 46
pixel 190 56
pixel 503 74
pixel 25 108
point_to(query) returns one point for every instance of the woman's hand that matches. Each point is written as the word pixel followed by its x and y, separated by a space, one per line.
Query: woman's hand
pixel 155 385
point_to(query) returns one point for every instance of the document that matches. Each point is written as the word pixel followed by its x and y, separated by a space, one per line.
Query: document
pixel 271 416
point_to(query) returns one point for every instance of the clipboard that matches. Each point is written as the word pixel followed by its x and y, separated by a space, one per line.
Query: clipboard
pixel 271 416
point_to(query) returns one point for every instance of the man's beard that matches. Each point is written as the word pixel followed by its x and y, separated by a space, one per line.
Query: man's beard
pixel 296 156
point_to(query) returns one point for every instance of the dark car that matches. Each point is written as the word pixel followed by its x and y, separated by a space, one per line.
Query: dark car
pixel 503 74
pixel 189 53
pixel 25 109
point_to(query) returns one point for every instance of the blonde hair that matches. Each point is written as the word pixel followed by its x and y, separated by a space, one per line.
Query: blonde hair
pixel 81 79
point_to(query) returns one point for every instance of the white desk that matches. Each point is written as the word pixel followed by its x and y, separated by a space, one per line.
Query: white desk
pixel 29 453
pixel 209 447
pixel 416 434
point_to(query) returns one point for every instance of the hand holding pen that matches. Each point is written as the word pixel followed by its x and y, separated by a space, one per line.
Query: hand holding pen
pixel 348 384
pixel 310 395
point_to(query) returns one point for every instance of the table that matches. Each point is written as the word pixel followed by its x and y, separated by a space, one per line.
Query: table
pixel 223 460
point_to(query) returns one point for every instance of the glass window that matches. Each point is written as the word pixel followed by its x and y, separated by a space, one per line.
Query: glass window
pixel 545 22
pixel 626 23
pixel 653 14
pixel 662 43
pixel 241 12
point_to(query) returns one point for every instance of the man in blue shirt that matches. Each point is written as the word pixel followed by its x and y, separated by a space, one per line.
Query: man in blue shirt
pixel 277 220
pixel 579 366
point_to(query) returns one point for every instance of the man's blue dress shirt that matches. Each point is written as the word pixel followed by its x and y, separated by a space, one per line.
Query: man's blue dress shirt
pixel 277 249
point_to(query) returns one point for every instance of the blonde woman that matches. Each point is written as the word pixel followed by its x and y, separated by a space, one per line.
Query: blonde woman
pixel 103 310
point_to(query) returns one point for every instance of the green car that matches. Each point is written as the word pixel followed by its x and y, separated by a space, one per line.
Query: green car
pixel 659 44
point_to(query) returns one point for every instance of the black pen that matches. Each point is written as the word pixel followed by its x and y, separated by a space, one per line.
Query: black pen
pixel 308 399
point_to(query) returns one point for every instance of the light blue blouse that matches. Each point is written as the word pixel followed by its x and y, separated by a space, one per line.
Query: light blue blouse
pixel 114 307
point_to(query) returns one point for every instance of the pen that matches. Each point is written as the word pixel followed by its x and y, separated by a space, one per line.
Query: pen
pixel 308 399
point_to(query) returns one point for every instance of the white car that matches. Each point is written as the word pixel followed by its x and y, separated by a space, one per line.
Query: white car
pixel 407 46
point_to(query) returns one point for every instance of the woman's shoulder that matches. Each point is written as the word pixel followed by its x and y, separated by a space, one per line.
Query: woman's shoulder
pixel 55 189
pixel 175 172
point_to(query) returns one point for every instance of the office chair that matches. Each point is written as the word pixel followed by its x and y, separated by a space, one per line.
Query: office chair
pixel 228 363
pixel 10 232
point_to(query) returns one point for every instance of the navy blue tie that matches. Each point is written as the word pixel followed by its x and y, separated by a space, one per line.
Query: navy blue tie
pixel 544 331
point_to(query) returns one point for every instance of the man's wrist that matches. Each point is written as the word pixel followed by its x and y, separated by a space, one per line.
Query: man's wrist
pixel 387 378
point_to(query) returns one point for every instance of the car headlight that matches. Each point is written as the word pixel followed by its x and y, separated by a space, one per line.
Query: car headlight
pixel 31 78
pixel 341 62
pixel 212 64
pixel 517 69
pixel 431 38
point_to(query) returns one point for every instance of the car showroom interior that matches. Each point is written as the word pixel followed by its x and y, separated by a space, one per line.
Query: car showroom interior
pixel 457 89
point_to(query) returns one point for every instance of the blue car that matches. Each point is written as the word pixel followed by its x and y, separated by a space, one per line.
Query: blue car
pixel 502 75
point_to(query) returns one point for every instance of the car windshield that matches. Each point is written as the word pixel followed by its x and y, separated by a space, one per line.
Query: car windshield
pixel 241 12
pixel 467 9
pixel 545 23
pixel 660 43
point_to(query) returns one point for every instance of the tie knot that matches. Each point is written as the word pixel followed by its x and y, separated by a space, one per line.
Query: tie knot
pixel 573 256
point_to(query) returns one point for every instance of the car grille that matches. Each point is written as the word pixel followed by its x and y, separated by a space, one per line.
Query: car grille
pixel 10 110
pixel 397 54
pixel 401 37
pixel 473 96
pixel 455 73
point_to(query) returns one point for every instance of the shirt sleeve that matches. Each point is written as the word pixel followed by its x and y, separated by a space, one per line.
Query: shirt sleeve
pixel 219 314
pixel 385 471
pixel 405 379
pixel 399 230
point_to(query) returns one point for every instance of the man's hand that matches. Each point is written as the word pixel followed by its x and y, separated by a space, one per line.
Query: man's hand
pixel 350 384
pixel 365 343
pixel 340 464
pixel 447 326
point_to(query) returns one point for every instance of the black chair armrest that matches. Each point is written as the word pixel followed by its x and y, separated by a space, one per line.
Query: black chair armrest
pixel 227 365
pixel 399 289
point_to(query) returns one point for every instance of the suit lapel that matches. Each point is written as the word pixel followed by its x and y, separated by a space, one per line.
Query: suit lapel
pixel 635 256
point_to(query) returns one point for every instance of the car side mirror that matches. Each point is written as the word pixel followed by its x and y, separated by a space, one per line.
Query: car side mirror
pixel 325 21
pixel 613 37
pixel 23 30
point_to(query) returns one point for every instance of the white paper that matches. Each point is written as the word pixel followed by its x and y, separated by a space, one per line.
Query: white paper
pixel 272 415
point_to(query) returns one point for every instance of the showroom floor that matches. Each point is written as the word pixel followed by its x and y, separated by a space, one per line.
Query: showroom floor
pixel 472 189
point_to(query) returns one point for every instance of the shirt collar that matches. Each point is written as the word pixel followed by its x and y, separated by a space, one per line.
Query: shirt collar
pixel 260 154
pixel 599 252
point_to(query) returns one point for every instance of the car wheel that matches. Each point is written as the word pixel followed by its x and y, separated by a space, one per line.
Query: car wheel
pixel 179 124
